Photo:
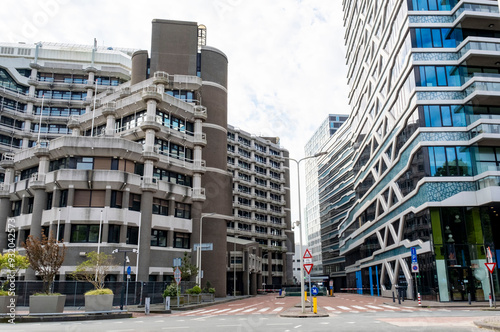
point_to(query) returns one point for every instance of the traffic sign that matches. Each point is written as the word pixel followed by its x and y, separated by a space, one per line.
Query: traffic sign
pixel 308 268
pixel 177 262
pixel 129 270
pixel 490 266
pixel 314 290
pixel 413 251
pixel 307 254
pixel 308 261
pixel 177 275
pixel 204 246
pixel 414 267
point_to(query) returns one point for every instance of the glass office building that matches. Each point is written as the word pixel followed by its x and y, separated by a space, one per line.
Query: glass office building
pixel 425 99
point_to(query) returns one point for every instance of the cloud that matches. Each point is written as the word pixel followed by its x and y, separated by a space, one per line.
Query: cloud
pixel 286 58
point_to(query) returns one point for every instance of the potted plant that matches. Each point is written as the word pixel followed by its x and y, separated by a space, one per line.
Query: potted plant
pixel 45 256
pixel 171 292
pixel 11 262
pixel 194 294
pixel 94 270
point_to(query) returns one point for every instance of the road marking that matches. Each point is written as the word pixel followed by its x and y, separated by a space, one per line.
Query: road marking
pixel 388 306
pixel 219 311
pixel 330 308
pixel 296 327
pixel 235 310
pixel 344 308
pixel 264 309
pixel 374 307
pixel 250 310
pixel 229 325
pixel 358 307
pixel 278 309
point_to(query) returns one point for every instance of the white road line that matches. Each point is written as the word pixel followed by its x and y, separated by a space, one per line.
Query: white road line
pixel 175 328
pixel 330 308
pixel 264 309
pixel 358 307
pixel 219 311
pixel 235 310
pixel 344 308
pixel 374 307
pixel 296 327
pixel 388 306
pixel 250 310
pixel 278 309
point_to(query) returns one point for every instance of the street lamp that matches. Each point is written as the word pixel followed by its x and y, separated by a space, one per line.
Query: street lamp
pixel 299 224
pixel 124 263
pixel 198 251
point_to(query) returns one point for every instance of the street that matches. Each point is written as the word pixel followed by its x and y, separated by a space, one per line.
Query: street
pixel 346 312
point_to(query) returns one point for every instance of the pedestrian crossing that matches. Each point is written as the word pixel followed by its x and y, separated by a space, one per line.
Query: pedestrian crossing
pixel 259 310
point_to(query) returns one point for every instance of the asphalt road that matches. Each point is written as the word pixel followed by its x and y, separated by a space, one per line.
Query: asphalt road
pixel 262 314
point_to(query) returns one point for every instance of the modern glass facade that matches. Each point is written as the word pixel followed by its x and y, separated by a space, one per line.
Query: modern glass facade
pixel 425 85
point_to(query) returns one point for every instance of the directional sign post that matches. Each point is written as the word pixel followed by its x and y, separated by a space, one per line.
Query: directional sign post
pixel 414 269
pixel 490 265
pixel 177 277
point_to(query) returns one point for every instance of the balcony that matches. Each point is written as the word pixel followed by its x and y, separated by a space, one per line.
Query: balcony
pixel 198 194
pixel 150 93
pixel 149 184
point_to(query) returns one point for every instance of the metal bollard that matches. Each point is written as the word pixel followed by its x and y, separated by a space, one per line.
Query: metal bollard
pixel 469 298
pixel 393 298
pixel 147 303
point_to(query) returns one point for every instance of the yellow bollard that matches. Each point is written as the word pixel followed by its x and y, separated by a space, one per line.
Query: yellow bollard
pixel 305 296
pixel 315 305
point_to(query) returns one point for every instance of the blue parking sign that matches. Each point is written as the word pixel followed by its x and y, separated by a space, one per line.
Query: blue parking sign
pixel 314 290
pixel 414 255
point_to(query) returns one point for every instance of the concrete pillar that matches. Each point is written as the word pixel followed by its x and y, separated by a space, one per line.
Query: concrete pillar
pixel 126 198
pixel 39 203
pixel 171 207
pixel 253 283
pixel 107 197
pixel 246 275
pixel 4 215
pixel 123 234
pixel 151 108
pixel 170 238
pixel 110 125
pixel 145 239
pixel 71 195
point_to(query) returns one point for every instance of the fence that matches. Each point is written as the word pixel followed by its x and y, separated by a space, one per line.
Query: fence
pixel 75 290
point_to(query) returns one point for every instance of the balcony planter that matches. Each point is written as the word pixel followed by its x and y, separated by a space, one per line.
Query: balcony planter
pixel 103 302
pixel 41 304
pixel 7 303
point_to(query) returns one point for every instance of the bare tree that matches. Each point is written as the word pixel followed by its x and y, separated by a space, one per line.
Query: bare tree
pixel 45 257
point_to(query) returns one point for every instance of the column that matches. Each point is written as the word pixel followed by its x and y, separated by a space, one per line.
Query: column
pixel 145 238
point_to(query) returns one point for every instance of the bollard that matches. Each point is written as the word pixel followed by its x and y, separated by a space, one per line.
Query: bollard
pixel 399 297
pixel 315 304
pixel 491 304
pixel 469 298
pixel 393 298
pixel 167 303
pixel 147 303
pixel 305 296
pixel 419 302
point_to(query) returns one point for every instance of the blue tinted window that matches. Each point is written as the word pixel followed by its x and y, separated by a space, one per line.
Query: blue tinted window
pixel 432 5
pixel 430 76
pixel 441 76
pixel 436 38
pixel 446 116
pixel 435 116
pixel 458 116
pixel 464 161
pixel 453 76
pixel 426 38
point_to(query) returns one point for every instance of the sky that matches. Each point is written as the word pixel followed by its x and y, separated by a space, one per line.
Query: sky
pixel 287 67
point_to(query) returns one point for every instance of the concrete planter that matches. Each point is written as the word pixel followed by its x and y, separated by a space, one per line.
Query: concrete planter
pixel 43 304
pixel 6 304
pixel 102 302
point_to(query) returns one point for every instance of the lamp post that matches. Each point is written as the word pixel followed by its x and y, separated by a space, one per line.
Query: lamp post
pixel 198 251
pixel 124 263
pixel 299 224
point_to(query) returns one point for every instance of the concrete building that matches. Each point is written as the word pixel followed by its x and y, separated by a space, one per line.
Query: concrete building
pixel 130 140
pixel 311 213
pixel 424 95
pixel 261 198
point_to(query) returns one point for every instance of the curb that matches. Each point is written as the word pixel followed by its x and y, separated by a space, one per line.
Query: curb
pixel 67 318
pixel 485 325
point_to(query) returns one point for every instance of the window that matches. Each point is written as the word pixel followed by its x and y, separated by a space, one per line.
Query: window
pixel 182 210
pixel 431 4
pixel 488 159
pixel 30 201
pixel 158 238
pixel 84 233
pixel 63 199
pixel 181 240
pixel 113 233
pixel 50 198
pixel 438 37
pixel 89 198
pixel 444 115
pixel 160 206
pixel 450 161
pixel 116 199
pixel 134 202
pixel 132 235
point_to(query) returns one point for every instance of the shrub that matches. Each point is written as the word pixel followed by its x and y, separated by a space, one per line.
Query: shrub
pixel 4 293
pixel 46 294
pixel 171 290
pixel 211 290
pixel 102 291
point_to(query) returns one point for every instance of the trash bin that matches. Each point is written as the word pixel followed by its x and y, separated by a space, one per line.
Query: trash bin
pixel 280 291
